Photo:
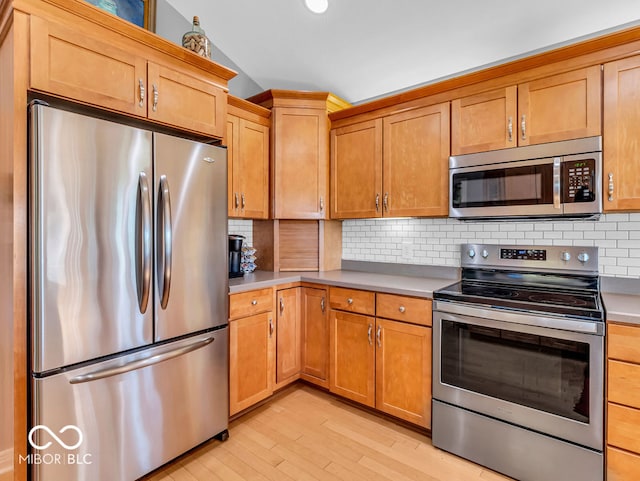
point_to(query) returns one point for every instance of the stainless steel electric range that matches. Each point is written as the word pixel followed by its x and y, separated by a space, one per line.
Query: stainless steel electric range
pixel 518 362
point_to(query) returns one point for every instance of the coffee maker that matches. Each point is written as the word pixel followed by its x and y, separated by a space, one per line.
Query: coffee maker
pixel 235 255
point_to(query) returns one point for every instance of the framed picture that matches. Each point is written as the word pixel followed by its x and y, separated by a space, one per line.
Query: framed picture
pixel 139 12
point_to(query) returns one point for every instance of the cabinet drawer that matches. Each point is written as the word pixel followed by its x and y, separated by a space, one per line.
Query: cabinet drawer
pixel 622 466
pixel 352 300
pixel 402 308
pixel 624 383
pixel 249 303
pixel 623 343
pixel 622 427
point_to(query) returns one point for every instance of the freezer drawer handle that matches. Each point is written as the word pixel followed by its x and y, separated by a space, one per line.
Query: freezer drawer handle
pixel 140 363
pixel 165 242
pixel 143 242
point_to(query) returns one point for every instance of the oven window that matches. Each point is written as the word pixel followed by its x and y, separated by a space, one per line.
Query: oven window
pixel 530 185
pixel 540 372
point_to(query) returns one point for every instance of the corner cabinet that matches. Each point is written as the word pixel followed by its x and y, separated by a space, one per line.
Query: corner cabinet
pixel 315 336
pixel 93 65
pixel 288 339
pixel 621 162
pixel 393 166
pixel 247 142
pixel 558 107
pixel 299 151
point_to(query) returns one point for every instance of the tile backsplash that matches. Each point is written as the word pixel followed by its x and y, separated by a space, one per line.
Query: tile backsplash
pixel 436 241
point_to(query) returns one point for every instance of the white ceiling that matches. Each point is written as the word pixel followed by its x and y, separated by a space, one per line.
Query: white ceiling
pixel 361 49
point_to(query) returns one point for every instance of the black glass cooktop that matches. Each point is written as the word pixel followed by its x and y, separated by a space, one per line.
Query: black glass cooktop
pixel 578 303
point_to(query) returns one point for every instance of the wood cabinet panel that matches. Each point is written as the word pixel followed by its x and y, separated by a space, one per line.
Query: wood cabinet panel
pixel 70 64
pixel 352 300
pixel 560 107
pixel 180 99
pixel 484 121
pixel 288 341
pixel 621 135
pixel 249 303
pixel 623 342
pixel 352 362
pixel 622 466
pixel 315 336
pixel 403 308
pixel 356 171
pixel 416 162
pixel 233 154
pixel 624 383
pixel 300 163
pixel 250 361
pixel 403 371
pixel 622 427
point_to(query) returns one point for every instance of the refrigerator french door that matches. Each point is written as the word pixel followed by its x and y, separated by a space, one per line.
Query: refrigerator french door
pixel 128 297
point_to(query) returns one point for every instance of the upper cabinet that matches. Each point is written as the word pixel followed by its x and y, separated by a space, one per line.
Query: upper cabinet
pixel 248 159
pixel 622 135
pixel 299 151
pixel 558 107
pixel 393 166
pixel 96 66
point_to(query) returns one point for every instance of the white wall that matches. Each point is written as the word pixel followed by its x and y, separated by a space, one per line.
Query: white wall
pixel 242 227
pixel 436 241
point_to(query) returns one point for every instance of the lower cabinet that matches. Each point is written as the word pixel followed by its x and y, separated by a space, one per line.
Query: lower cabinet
pixel 315 336
pixel 383 363
pixel 251 356
pixel 288 337
pixel 623 402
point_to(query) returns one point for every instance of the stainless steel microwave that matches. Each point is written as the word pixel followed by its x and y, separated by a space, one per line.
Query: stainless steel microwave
pixel 546 180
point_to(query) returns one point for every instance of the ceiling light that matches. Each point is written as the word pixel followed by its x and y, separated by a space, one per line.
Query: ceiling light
pixel 317 6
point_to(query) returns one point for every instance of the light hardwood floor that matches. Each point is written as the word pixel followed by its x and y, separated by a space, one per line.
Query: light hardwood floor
pixel 308 435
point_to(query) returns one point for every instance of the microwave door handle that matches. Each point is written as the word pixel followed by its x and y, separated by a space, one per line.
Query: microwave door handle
pixel 556 182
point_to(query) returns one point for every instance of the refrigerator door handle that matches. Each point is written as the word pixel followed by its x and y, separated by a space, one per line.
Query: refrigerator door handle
pixel 143 242
pixel 150 360
pixel 165 241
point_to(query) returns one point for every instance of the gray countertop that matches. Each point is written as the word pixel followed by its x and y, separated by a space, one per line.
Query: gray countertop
pixel 622 307
pixel 392 284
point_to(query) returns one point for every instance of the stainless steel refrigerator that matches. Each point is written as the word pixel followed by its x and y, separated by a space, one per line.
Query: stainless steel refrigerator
pixel 128 297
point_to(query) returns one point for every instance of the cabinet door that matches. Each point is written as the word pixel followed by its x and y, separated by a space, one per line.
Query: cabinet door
pixel 251 170
pixel 233 170
pixel 560 107
pixel 403 371
pixel 250 361
pixel 177 98
pixel 484 121
pixel 352 361
pixel 289 335
pixel 315 336
pixel 300 163
pixel 416 162
pixel 622 135
pixel 74 65
pixel 622 465
pixel 356 171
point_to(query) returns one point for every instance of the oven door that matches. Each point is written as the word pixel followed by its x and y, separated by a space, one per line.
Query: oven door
pixel 548 380
pixel 522 189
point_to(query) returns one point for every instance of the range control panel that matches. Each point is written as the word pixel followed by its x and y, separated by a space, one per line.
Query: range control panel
pixel 578 180
pixel 524 254
pixel 534 258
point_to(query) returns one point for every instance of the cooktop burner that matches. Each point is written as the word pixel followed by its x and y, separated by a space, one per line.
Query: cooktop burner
pixel 544 280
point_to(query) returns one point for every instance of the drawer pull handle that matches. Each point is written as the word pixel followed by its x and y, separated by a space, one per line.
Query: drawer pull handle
pixel 270 327
pixel 401 309
pixel 322 305
pixel 369 330
pixel 349 301
pixel 378 335
pixel 254 303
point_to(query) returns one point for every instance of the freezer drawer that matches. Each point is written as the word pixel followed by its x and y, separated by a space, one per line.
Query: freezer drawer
pixel 105 422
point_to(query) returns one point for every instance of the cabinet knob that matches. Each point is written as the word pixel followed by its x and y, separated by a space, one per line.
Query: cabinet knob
pixel 401 309
pixel 349 301
pixel 254 302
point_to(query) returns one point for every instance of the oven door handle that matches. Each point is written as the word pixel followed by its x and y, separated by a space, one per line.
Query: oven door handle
pixel 518 318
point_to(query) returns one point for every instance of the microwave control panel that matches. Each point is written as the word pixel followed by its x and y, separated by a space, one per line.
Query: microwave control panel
pixel 578 180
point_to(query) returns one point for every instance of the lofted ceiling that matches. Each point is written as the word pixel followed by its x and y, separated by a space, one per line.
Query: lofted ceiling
pixel 362 49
